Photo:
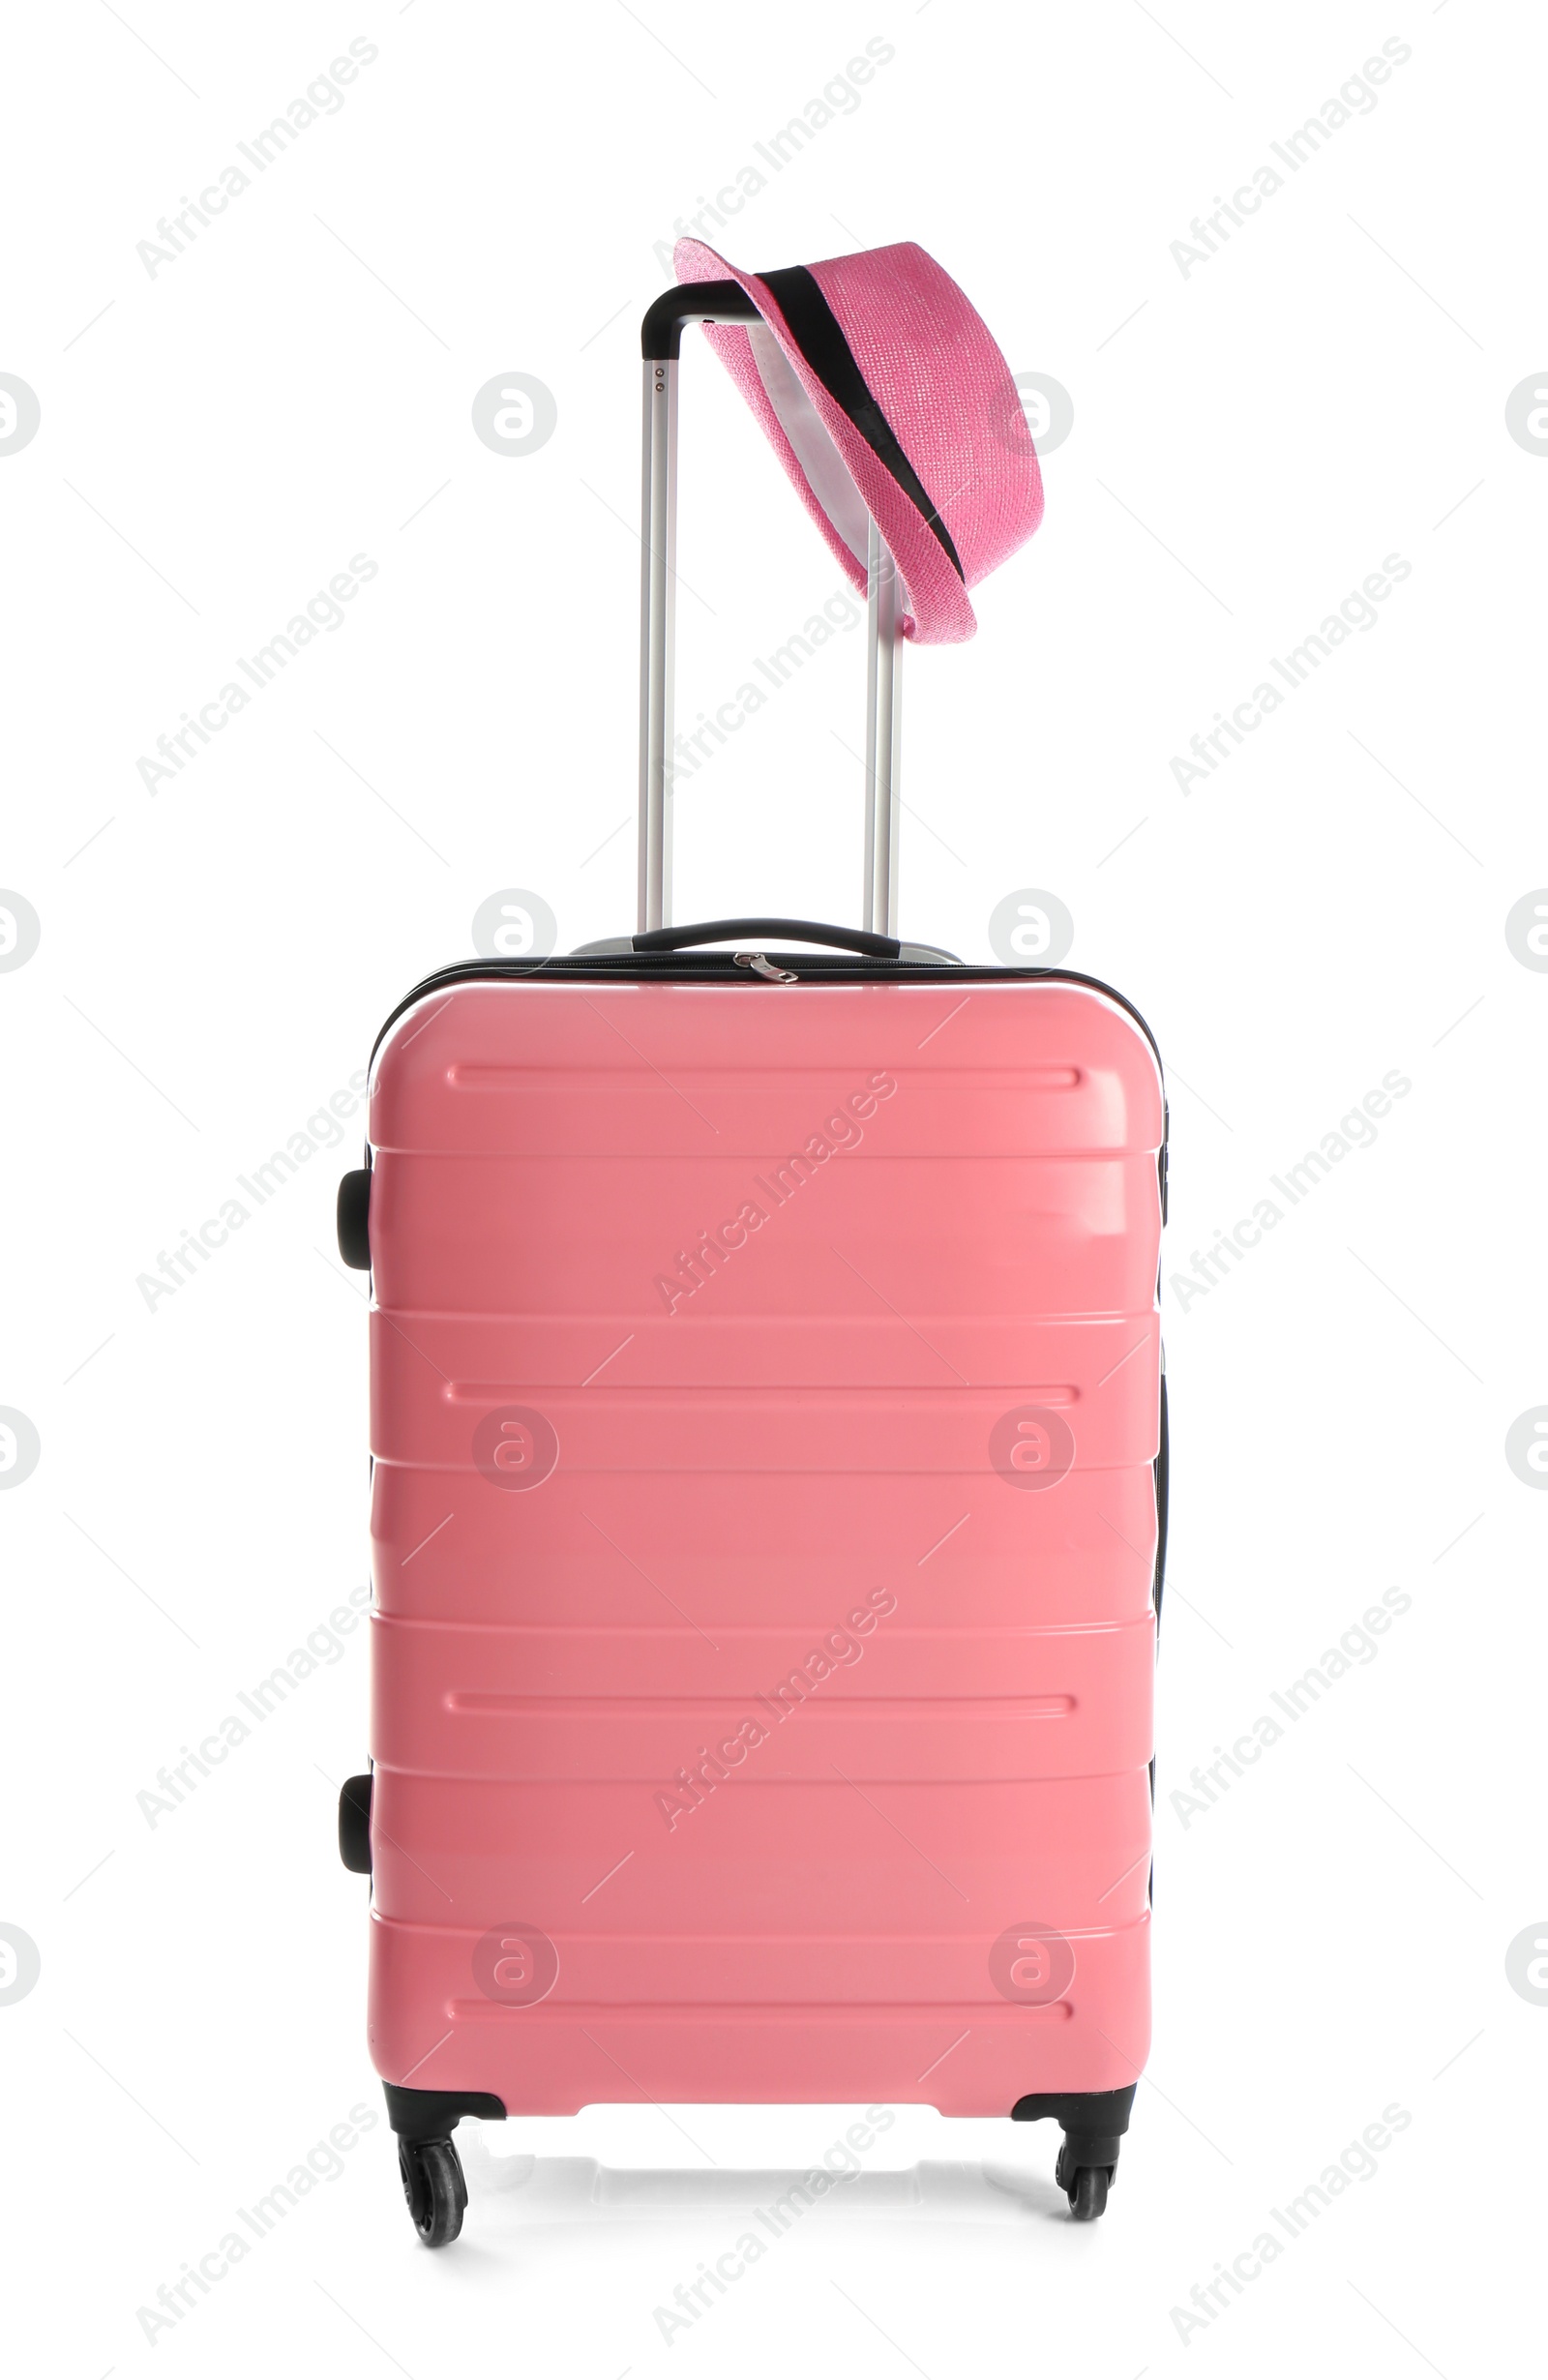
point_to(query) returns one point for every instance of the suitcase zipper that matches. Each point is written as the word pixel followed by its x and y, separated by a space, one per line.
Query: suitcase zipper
pixel 760 965
pixel 726 966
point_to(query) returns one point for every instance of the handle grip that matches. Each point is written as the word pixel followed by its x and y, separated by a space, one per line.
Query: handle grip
pixel 661 334
pixel 794 928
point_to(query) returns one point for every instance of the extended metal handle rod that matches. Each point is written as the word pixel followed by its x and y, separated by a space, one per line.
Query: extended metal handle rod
pixel 657 616
pixel 658 607
pixel 883 726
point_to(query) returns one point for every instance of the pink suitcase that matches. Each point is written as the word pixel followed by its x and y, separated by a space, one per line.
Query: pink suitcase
pixel 768 1510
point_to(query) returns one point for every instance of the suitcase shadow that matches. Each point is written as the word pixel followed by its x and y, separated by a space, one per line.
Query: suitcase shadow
pixel 535 2191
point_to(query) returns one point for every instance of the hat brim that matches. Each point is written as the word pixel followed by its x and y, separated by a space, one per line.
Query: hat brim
pixel 800 406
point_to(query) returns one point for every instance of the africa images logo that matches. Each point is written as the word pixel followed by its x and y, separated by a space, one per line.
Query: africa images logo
pixel 697 1266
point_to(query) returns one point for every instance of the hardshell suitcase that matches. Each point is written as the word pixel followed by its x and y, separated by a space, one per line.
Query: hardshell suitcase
pixel 768 1510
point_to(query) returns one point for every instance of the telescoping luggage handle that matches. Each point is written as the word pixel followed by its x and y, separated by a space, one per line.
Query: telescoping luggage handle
pixel 661 340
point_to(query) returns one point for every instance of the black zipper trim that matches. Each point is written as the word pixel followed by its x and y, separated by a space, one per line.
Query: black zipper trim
pixel 720 966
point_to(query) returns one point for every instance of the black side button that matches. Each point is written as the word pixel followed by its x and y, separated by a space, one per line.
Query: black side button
pixel 354 1825
pixel 354 1212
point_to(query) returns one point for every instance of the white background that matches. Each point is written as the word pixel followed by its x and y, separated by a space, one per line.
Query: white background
pixel 1250 439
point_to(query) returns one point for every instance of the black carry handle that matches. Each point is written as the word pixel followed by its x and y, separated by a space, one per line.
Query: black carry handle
pixel 744 929
pixel 661 334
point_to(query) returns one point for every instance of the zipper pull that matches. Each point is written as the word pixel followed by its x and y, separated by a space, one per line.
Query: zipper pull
pixel 760 965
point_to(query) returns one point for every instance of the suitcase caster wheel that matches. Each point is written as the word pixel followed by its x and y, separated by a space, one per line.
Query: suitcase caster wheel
pixel 1087 2196
pixel 432 2184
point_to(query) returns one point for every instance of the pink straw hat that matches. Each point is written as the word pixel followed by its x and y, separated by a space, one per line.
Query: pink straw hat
pixel 884 395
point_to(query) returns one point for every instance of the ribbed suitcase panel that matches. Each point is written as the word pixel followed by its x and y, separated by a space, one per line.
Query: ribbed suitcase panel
pixel 587 1549
pixel 634 1707
pixel 764 1399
